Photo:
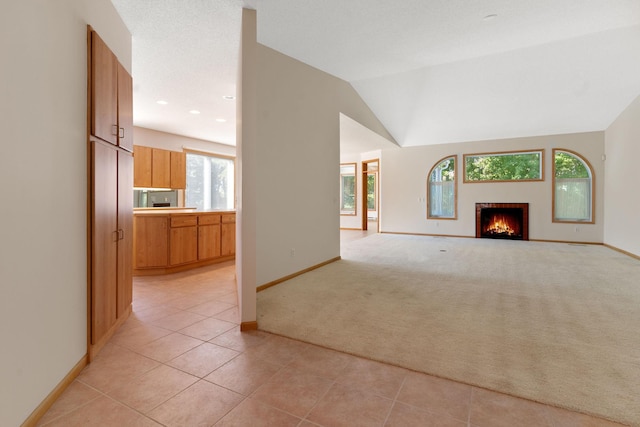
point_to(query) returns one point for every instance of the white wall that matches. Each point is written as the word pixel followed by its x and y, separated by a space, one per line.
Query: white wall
pixel 405 177
pixel 622 204
pixel 170 141
pixel 43 166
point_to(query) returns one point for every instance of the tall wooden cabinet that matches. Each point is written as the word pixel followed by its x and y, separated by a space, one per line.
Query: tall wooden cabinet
pixel 110 142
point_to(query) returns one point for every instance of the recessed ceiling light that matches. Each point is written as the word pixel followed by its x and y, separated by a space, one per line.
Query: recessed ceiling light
pixel 194 112
pixel 162 102
pixel 490 17
pixel 221 120
pixel 229 97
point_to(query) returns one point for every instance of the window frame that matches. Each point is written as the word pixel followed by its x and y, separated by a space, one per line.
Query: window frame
pixel 355 189
pixel 592 195
pixel 455 188
pixel 539 151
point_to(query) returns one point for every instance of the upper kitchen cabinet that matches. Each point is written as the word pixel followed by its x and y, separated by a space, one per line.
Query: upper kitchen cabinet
pixel 158 168
pixel 125 109
pixel 178 170
pixel 111 97
pixel 142 166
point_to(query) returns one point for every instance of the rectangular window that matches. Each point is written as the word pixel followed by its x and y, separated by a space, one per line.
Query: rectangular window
pixel 572 199
pixel 210 182
pixel 505 166
pixel 348 189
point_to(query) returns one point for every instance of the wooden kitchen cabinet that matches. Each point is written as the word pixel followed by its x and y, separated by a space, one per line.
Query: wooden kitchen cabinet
pixel 160 168
pixel 142 166
pixel 111 238
pixel 104 239
pixel 209 242
pixel 228 235
pixel 151 241
pixel 183 240
pixel 166 242
pixel 124 289
pixel 178 170
pixel 111 96
pixel 125 109
pixel 110 172
pixel 104 91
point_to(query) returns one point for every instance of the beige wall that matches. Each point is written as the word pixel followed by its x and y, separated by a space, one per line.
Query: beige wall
pixel 295 148
pixel 622 195
pixel 170 141
pixel 404 188
pixel 43 256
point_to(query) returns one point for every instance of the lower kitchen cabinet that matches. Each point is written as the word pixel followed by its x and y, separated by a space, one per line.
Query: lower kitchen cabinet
pixel 183 240
pixel 208 237
pixel 151 241
pixel 169 242
pixel 228 240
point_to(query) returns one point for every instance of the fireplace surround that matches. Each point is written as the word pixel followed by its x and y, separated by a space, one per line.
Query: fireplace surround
pixel 502 221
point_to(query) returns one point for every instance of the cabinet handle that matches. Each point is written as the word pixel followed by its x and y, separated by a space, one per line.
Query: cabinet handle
pixel 114 130
pixel 120 234
pixel 121 135
pixel 116 235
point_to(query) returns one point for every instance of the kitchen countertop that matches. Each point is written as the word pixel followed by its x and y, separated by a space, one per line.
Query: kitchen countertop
pixel 176 211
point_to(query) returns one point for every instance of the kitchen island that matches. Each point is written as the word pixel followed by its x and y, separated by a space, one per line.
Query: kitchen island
pixel 172 240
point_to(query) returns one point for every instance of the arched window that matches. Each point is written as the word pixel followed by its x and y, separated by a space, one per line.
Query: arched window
pixel 572 187
pixel 441 190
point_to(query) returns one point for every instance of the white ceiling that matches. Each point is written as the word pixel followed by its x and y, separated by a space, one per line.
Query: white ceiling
pixel 433 71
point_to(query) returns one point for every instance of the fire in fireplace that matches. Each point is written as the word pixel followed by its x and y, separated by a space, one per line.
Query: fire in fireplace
pixel 502 220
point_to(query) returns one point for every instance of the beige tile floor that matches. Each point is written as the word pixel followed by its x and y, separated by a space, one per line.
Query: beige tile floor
pixel 180 360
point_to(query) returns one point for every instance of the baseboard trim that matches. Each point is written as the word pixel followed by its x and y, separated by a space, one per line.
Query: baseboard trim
pixel 427 234
pixel 632 255
pixel 94 349
pixel 248 326
pixel 44 406
pixel 349 228
pixel 474 237
pixel 155 271
pixel 291 276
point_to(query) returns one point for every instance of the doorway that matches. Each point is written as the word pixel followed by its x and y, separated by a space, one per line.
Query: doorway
pixel 370 195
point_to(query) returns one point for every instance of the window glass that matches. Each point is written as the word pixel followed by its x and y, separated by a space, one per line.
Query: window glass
pixel 511 166
pixel 348 189
pixel 572 188
pixel 210 182
pixel 441 189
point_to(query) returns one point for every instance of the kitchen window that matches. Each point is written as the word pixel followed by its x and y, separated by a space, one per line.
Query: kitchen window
pixel 210 181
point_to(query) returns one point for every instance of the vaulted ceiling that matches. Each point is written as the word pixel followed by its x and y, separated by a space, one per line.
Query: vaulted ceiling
pixel 433 71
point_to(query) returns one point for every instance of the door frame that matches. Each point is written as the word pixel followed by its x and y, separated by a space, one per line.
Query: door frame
pixel 365 211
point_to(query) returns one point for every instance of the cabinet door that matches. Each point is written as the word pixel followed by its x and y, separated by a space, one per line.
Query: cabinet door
pixel 151 241
pixel 142 166
pixel 178 170
pixel 104 91
pixel 208 241
pixel 228 240
pixel 104 239
pixel 183 244
pixel 125 109
pixel 124 292
pixel 160 168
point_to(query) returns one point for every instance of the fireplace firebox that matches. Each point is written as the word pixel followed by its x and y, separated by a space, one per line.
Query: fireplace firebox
pixel 502 221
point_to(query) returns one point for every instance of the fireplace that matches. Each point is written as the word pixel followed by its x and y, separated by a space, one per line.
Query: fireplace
pixel 502 221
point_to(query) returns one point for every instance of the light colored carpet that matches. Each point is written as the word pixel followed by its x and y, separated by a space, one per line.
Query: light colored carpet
pixel 552 322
